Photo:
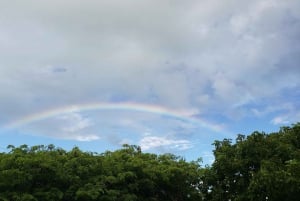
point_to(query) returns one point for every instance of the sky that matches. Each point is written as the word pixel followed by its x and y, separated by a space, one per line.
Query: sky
pixel 170 76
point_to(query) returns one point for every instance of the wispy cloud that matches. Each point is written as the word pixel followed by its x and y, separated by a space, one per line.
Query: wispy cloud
pixel 74 122
pixel 86 137
pixel 280 120
pixel 164 143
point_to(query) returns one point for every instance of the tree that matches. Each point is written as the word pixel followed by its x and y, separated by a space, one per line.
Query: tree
pixel 259 167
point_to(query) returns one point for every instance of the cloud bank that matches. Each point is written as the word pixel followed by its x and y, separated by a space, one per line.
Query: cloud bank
pixel 231 61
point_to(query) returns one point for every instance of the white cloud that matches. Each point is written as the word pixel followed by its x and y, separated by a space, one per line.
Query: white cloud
pixel 86 137
pixel 69 126
pixel 283 107
pixel 287 116
pixel 74 122
pixel 221 59
pixel 155 142
pixel 280 120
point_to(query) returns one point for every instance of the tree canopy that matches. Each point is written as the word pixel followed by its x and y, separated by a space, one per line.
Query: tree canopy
pixel 259 166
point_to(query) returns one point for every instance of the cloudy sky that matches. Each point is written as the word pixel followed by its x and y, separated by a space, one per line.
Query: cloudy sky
pixel 168 75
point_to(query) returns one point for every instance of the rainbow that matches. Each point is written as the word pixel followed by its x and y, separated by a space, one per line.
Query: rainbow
pixel 186 115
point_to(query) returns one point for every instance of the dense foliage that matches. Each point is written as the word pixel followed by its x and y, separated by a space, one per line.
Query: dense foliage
pixel 257 167
pixel 49 173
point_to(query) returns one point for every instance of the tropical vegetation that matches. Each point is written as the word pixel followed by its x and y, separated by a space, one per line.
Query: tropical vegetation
pixel 258 166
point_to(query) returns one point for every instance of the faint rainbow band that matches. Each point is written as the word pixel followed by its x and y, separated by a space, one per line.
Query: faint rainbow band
pixel 186 115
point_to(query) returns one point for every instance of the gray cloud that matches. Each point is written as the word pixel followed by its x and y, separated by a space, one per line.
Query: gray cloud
pixel 222 58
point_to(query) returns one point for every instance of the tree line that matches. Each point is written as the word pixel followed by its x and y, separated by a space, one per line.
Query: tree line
pixel 259 166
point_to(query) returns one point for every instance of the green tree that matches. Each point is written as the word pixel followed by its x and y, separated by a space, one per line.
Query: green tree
pixel 257 167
